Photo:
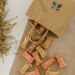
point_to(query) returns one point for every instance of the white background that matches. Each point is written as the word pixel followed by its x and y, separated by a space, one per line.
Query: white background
pixel 16 8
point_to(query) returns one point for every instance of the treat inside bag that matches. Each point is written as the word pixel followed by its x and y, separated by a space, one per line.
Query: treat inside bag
pixel 38 35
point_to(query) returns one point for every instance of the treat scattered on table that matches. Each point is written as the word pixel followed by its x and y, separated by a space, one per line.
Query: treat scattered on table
pixel 47 63
pixel 42 53
pixel 28 57
pixel 60 60
pixel 24 43
pixel 24 69
pixel 37 58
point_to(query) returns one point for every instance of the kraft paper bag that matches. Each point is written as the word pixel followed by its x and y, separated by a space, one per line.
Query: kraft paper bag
pixel 66 44
pixel 55 15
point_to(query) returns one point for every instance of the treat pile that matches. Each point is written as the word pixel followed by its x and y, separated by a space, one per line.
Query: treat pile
pixel 35 47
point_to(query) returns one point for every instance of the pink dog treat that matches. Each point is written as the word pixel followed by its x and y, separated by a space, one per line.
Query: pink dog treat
pixel 36 57
pixel 60 60
pixel 31 48
pixel 28 57
pixel 24 69
pixel 46 64
pixel 25 42
pixel 41 52
pixel 35 72
pixel 47 43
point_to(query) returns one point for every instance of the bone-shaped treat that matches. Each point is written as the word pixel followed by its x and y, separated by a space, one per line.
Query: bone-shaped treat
pixel 41 30
pixel 48 72
pixel 47 42
pixel 24 69
pixel 42 53
pixel 28 57
pixel 31 47
pixel 36 37
pixel 37 58
pixel 60 60
pixel 35 72
pixel 47 63
pixel 24 43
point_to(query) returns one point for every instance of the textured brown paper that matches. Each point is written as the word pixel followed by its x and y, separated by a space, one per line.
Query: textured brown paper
pixel 47 13
pixel 65 45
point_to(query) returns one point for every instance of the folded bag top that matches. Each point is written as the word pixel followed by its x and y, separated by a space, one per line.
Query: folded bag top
pixel 55 15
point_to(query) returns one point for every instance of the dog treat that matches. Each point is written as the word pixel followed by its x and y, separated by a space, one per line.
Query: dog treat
pixel 60 60
pixel 25 42
pixel 36 36
pixel 46 64
pixel 31 48
pixel 37 58
pixel 24 69
pixel 28 57
pixel 47 43
pixel 48 72
pixel 42 53
pixel 33 22
pixel 40 30
pixel 35 72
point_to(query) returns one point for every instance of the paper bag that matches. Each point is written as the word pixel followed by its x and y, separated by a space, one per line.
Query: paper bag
pixel 55 15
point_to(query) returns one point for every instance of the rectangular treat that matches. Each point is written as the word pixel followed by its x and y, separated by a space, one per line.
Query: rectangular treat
pixel 37 58
pixel 60 60
pixel 31 47
pixel 36 36
pixel 24 43
pixel 42 53
pixel 24 69
pixel 49 62
pixel 28 57
pixel 40 30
